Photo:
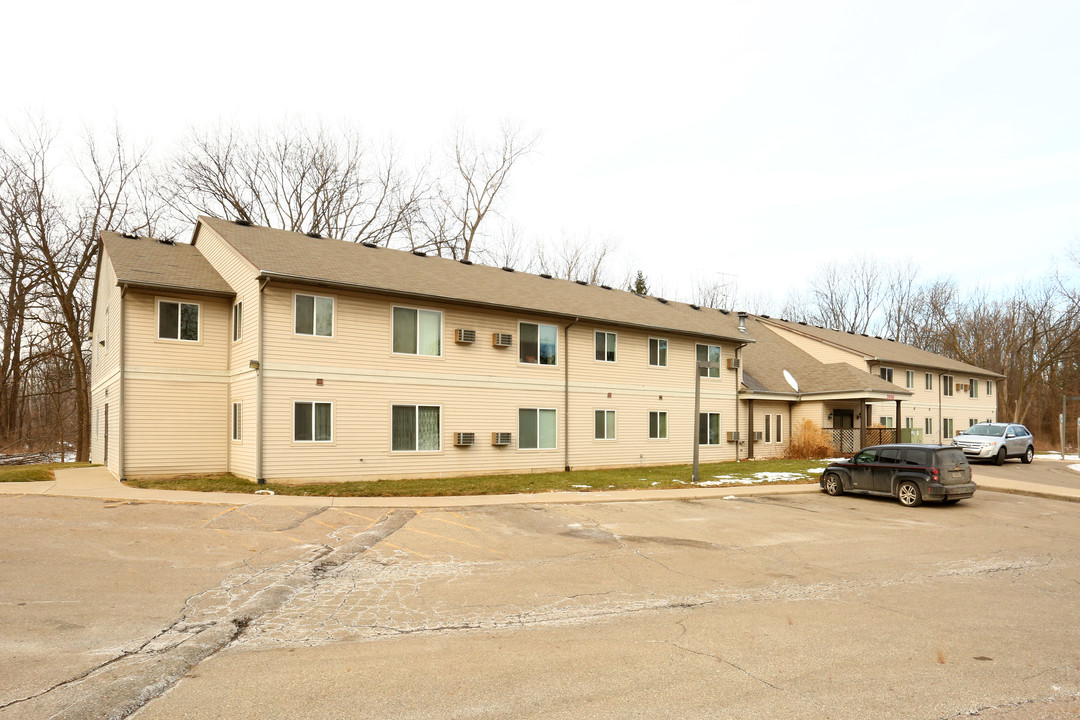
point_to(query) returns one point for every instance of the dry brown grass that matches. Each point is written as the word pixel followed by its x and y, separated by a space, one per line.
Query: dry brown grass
pixel 809 442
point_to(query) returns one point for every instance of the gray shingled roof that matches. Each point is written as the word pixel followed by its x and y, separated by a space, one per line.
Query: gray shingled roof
pixel 766 360
pixel 888 351
pixel 334 263
pixel 154 265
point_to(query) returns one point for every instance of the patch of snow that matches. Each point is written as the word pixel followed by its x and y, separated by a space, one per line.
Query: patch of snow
pixel 656 483
pixel 1057 456
pixel 681 482
pixel 730 497
pixel 582 486
pixel 815 471
pixel 832 460
pixel 1075 467
pixel 264 492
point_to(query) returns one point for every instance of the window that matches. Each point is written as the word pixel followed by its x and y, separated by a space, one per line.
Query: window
pixel 886 374
pixel 909 378
pixel 972 422
pixel 989 388
pixel 928 426
pixel 417 332
pixel 886 421
pixel 605 346
pixel 889 456
pixel 779 428
pixel 947 427
pixel 929 381
pixel 946 386
pixel 658 425
pixel 237 317
pixel 237 418
pixel 973 388
pixel 708 428
pixel 538 343
pixel 178 321
pixel 916 456
pixel 536 429
pixel 658 352
pixel 909 423
pixel 768 428
pixel 314 315
pixel 415 428
pixel 604 425
pixel 312 422
pixel 709 353
pixel 865 457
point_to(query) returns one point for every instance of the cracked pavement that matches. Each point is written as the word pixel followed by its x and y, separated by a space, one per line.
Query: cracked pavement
pixel 797 606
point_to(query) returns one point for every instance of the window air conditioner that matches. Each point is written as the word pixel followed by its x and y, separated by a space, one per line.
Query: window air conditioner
pixel 502 340
pixel 733 437
pixel 500 438
pixel 463 439
pixel 733 363
pixel 466 336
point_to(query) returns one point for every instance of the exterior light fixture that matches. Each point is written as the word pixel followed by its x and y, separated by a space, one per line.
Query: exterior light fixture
pixel 253 364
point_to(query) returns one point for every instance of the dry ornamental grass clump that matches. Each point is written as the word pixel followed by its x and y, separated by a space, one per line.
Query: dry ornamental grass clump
pixel 809 441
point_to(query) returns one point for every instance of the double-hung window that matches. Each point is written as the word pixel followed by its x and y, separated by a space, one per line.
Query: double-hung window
pixel 909 423
pixel 538 343
pixel 928 426
pixel 605 346
pixel 658 352
pixel 313 315
pixel 415 428
pixel 536 429
pixel 657 425
pixel 909 378
pixel 604 425
pixel 237 421
pixel 989 388
pixel 886 421
pixel 929 381
pixel 178 320
pixel 886 374
pixel 768 428
pixel 946 387
pixel 237 321
pixel 417 332
pixel 947 427
pixel 313 421
pixel 779 428
pixel 709 428
pixel 709 353
pixel 973 388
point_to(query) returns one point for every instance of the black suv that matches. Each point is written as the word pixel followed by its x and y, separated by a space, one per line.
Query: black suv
pixel 910 473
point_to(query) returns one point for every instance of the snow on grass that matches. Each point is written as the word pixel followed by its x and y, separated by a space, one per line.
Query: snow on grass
pixel 761 477
pixel 815 471
pixel 1057 456
pixel 1075 467
pixel 582 487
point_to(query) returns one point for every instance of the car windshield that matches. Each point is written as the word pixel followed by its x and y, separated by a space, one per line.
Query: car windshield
pixel 986 429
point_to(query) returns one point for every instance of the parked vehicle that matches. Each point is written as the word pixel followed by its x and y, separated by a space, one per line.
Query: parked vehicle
pixel 997 441
pixel 908 472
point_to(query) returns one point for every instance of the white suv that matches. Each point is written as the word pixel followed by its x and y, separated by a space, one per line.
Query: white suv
pixel 997 441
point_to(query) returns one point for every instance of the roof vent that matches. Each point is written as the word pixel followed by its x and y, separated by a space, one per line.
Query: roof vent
pixel 545 276
pixel 129 236
pixel 163 241
pixel 849 332
pixel 865 335
pixel 723 312
pixel 242 222
pixel 801 322
pixel 696 307
pixel 742 320
pixel 662 300
pixel 465 262
pixel 581 282
pixel 606 287
pixel 370 244
pixel 879 337
pixel 314 234
pixel 764 316
pixel 419 253
pixel 507 268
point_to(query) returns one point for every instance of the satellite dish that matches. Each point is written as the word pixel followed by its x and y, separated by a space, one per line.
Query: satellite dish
pixel 791 381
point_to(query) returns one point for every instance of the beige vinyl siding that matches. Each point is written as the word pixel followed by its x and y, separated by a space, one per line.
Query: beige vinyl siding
pixel 99 399
pixel 923 403
pixel 242 452
pixel 190 437
pixel 144 349
pixel 763 449
pixel 243 277
pixel 106 361
pixel 812 410
pixel 821 351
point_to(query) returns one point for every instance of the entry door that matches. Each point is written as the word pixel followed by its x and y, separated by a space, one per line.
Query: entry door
pixel 106 454
pixel 844 420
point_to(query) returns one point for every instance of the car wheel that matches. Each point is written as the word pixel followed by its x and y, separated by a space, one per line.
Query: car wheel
pixel 908 494
pixel 833 484
pixel 1029 455
pixel 1000 459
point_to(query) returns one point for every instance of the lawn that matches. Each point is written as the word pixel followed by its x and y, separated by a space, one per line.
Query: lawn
pixel 657 477
pixel 33 473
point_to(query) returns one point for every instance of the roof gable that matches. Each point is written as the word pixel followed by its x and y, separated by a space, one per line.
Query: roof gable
pixel 151 264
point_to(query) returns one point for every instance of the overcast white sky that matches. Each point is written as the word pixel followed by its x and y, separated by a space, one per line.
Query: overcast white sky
pixel 755 139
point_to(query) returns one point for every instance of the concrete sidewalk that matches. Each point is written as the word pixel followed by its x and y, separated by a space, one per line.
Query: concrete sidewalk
pixel 97 482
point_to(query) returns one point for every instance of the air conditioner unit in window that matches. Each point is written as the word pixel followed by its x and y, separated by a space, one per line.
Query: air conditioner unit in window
pixel 733 437
pixel 758 436
pixel 502 340
pixel 464 439
pixel 733 363
pixel 500 438
pixel 466 336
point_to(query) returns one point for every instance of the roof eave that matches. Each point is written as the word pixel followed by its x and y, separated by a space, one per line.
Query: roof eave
pixel 176 289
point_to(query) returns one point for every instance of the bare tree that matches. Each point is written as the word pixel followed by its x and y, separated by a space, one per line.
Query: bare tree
pixel 846 296
pixel 583 258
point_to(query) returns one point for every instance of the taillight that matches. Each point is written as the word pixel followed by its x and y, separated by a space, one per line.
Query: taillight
pixel 933 475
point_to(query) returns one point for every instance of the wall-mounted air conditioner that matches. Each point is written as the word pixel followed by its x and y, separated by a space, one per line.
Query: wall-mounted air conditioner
pixel 733 437
pixel 464 439
pixel 500 438
pixel 502 340
pixel 466 336
pixel 733 363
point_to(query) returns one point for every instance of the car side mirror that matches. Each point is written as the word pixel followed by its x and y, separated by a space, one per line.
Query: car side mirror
pixel 1011 435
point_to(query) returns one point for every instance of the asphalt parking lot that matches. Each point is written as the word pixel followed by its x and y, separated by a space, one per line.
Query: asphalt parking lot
pixel 764 606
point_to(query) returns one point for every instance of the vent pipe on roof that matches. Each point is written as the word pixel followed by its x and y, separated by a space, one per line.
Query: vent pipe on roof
pixel 742 320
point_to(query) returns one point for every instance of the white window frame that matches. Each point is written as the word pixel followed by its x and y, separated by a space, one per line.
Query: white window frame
pixel 779 429
pixel 928 426
pixel 947 385
pixel 719 429
pixel 887 421
pixel 238 421
pixel 909 379
pixel 947 428
pixel 312 403
pixel 885 373
pixel 909 423
pixel 537 410
pixel 393 320
pixel 658 436
pixel 614 424
pixel 929 381
pixel 989 388
pixel 238 321
pixel 315 315
pixel 973 388
pixel 179 319
pixel 538 363
pixel 972 422
pixel 610 338
pixel 708 352
pixel 666 347
pixel 416 426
